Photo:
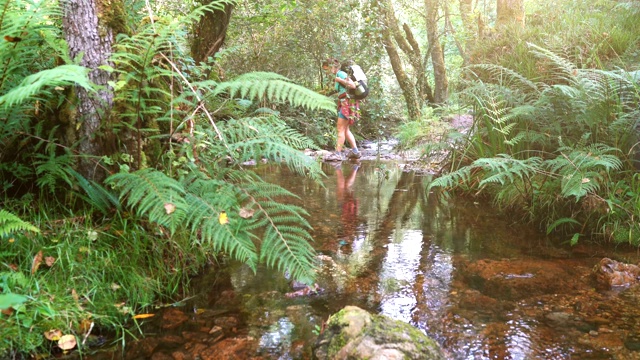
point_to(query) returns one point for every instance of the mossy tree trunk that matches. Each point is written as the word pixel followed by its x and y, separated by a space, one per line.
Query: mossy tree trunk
pixel 406 85
pixel 441 83
pixel 91 39
pixel 210 32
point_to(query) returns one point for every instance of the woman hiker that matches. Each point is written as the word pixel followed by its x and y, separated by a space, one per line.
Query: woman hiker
pixel 345 118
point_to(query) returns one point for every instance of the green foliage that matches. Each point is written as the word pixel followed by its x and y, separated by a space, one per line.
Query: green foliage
pixel 36 84
pixel 554 148
pixel 10 223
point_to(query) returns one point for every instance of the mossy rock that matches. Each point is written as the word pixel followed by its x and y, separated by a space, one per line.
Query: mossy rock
pixel 353 333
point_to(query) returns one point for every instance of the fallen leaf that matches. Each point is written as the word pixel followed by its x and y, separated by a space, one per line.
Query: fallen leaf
pixel 49 260
pixel 67 342
pixel 12 240
pixel 585 180
pixel 53 335
pixel 75 297
pixel 223 218
pixel 246 213
pixel 144 316
pixel 115 286
pixel 7 312
pixel 85 326
pixel 37 260
pixel 169 208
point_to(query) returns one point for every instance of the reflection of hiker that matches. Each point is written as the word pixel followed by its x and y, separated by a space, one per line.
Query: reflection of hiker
pixel 346 115
pixel 347 201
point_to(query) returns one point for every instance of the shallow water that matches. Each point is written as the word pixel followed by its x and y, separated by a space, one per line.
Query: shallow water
pixel 482 286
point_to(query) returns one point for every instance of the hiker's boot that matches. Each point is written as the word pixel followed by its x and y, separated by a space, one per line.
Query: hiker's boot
pixel 334 156
pixel 354 154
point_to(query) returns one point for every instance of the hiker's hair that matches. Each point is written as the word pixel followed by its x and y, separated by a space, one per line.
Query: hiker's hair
pixel 331 62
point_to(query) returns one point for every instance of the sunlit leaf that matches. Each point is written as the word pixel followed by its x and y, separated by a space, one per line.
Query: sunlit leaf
pixel 223 218
pixel 144 316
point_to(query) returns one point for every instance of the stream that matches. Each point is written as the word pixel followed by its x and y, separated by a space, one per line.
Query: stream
pixel 481 285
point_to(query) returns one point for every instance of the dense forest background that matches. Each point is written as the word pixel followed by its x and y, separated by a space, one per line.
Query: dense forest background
pixel 123 125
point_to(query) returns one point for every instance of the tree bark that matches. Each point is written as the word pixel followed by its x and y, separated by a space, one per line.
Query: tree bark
pixel 210 33
pixel 407 87
pixel 441 83
pixel 510 12
pixel 92 40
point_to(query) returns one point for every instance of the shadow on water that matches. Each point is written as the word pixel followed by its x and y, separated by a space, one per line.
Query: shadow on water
pixel 483 287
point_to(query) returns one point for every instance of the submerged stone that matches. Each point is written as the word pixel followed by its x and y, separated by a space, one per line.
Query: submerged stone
pixel 353 333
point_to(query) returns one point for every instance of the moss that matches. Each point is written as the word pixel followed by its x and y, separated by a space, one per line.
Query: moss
pixel 112 14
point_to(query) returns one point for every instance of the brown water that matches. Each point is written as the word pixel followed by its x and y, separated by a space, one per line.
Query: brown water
pixel 483 287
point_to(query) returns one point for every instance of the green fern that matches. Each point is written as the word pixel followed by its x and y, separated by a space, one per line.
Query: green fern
pixel 583 171
pixel 10 223
pixel 63 75
pixel 153 195
pixel 274 87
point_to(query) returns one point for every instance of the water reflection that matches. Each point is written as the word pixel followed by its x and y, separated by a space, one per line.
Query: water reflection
pixel 456 271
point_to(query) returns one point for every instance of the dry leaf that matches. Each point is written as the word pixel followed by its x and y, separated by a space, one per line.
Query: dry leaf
pixel 53 334
pixel 75 297
pixel 37 260
pixel 144 316
pixel 67 342
pixel 246 213
pixel 115 286
pixel 585 180
pixel 85 326
pixel 49 260
pixel 223 218
pixel 7 311
pixel 169 208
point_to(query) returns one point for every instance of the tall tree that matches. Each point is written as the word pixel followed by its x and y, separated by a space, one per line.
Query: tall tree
pixel 441 83
pixel 408 89
pixel 90 37
pixel 211 31
pixel 510 12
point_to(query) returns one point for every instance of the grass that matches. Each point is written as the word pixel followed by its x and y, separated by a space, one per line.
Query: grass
pixel 103 271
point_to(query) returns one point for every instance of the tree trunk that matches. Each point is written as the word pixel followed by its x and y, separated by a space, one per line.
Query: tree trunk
pixel 89 37
pixel 441 83
pixel 407 87
pixel 210 33
pixel 510 12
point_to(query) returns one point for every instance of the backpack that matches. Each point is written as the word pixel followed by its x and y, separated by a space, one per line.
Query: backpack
pixel 357 75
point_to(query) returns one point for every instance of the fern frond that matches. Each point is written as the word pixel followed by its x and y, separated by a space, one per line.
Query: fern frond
pixel 10 223
pixel 59 76
pixel 561 68
pixel 507 77
pixel 152 194
pixel 582 171
pixel 505 169
pixel 274 87
pixel 269 138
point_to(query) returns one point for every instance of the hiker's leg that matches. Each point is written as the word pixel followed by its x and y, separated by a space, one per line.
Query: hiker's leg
pixel 350 138
pixel 342 127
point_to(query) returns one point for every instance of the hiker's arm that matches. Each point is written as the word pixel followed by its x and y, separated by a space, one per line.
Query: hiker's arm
pixel 347 83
